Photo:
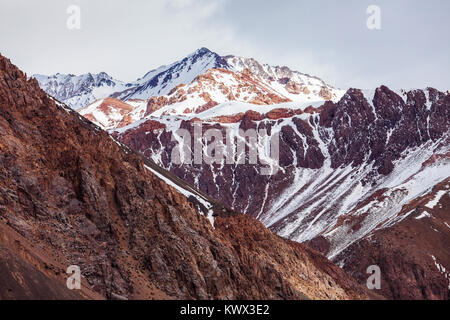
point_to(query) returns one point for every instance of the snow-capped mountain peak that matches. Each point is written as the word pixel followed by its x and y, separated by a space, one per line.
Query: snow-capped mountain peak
pixel 161 81
pixel 292 84
pixel 79 91
pixel 282 82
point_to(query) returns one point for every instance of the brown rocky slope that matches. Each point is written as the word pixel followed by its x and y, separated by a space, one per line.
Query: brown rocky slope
pixel 71 195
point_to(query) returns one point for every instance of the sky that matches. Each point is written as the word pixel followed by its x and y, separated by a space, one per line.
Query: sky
pixel 325 38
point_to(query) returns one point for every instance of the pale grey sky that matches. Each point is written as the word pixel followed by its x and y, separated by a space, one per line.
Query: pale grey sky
pixel 328 38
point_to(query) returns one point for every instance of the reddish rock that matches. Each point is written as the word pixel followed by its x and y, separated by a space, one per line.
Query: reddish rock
pixel 176 88
pixel 280 113
pixel 325 93
pixel 115 104
pixel 126 120
pixel 156 103
pixel 310 110
pixel 110 108
pixel 411 254
pixel 228 119
pixel 253 115
pixel 209 105
pixel 293 87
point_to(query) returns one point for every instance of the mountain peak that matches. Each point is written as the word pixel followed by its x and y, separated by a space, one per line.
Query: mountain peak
pixel 203 50
pixel 204 53
pixel 80 91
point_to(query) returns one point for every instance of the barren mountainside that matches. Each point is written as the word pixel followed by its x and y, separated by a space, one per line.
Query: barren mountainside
pixel 72 195
pixel 348 170
pixel 362 175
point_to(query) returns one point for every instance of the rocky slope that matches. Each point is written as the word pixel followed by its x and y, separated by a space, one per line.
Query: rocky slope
pixel 72 195
pixel 347 170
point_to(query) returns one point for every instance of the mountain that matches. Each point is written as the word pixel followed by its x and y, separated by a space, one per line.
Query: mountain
pixel 204 81
pixel 350 172
pixel 72 195
pixel 293 85
pixel 247 77
pixel 162 80
pixel 358 170
pixel 80 91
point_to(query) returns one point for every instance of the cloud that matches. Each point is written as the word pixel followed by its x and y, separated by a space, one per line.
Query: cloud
pixel 128 38
pixel 202 9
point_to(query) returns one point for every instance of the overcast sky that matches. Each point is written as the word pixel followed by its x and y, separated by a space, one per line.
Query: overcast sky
pixel 329 39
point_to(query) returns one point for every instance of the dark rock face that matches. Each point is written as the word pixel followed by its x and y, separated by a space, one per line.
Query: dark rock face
pixel 354 133
pixel 349 119
pixel 360 131
pixel 332 159
pixel 71 195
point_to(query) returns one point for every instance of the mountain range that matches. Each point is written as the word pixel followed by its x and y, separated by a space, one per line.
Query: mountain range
pixel 72 195
pixel 363 175
pixel 80 91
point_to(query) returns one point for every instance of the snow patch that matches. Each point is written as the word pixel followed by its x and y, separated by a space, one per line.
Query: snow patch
pixel 436 199
pixel 424 214
pixel 187 194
